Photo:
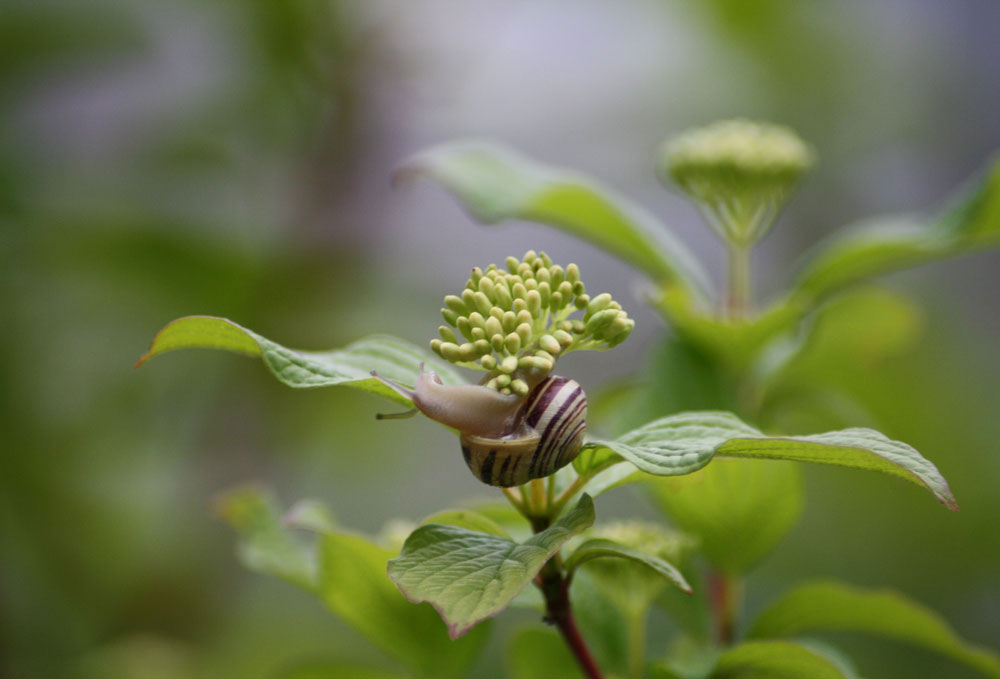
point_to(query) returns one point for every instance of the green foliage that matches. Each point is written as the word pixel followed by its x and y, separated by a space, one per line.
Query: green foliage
pixel 347 572
pixel 683 443
pixel 599 548
pixel 739 510
pixel 495 184
pixel 469 576
pixel 825 606
pixel 775 660
pixel 351 366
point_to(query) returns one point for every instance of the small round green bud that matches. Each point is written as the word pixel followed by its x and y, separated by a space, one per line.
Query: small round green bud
pixel 529 257
pixel 545 290
pixel 564 338
pixel 436 346
pixel 549 344
pixel 556 301
pixel 566 290
pixel 534 300
pixel 581 301
pixel 465 328
pixel 545 356
pixel 525 271
pixel 509 321
pixel 497 342
pixel 577 327
pixel 513 343
pixel 512 264
pixel 450 352
pixel 524 331
pixel 543 275
pixel 558 275
pixel 502 295
pixel 482 347
pixel 572 273
pixel 493 326
pixel 544 365
pixel 492 384
pixel 524 316
pixel 476 276
pixel 483 303
pixel 546 260
pixel 456 304
pixel 488 361
pixel 599 321
pixel 503 380
pixel 477 334
pixel 449 316
pixel 477 320
pixel 505 391
pixel 519 291
pixel 487 288
pixel 508 364
pixel 520 305
pixel 497 313
pixel 579 288
pixel 531 284
pixel 519 387
pixel 467 352
pixel 447 334
pixel 599 303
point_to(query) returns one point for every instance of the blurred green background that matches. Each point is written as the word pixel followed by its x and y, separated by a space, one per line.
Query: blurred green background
pixel 162 159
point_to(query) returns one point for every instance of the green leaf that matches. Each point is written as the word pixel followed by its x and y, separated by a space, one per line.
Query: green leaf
pixel 495 183
pixel 774 660
pixel 392 358
pixel 601 548
pixel 469 576
pixel 334 670
pixel 887 244
pixel 823 606
pixel 464 518
pixel 739 510
pixel 265 546
pixel 347 572
pixel 683 443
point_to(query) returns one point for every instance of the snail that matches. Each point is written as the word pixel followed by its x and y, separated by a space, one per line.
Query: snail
pixel 507 440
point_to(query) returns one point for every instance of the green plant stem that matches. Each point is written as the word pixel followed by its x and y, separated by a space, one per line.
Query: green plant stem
pixel 556 505
pixel 636 644
pixel 554 585
pixel 726 593
pixel 738 302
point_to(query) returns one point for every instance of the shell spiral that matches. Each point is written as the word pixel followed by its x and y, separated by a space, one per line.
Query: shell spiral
pixel 548 436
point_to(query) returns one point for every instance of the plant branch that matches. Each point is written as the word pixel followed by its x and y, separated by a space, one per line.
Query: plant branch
pixel 558 612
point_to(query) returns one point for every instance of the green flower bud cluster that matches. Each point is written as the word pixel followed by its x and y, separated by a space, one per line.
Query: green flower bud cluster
pixel 514 322
pixel 742 171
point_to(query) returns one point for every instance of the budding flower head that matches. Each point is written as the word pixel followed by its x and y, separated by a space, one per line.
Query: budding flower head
pixel 515 321
pixel 741 171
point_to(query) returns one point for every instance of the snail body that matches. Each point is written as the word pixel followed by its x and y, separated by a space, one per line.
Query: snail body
pixel 507 440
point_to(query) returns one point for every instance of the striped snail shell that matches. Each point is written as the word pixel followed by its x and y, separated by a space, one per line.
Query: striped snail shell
pixel 507 440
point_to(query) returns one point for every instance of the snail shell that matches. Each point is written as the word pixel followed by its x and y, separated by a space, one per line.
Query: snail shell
pixel 507 440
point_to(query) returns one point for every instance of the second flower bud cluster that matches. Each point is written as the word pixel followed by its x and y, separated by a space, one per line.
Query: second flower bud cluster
pixel 514 323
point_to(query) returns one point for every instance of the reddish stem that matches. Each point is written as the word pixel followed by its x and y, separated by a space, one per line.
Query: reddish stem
pixel 558 612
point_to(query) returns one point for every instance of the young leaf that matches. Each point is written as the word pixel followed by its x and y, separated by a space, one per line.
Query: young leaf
pixel 600 548
pixel 883 245
pixel 832 606
pixel 774 660
pixel 393 358
pixel 469 576
pixel 465 518
pixel 683 443
pixel 495 183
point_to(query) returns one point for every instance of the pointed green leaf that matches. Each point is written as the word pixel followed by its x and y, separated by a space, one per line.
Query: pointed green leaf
pixel 598 548
pixel 495 183
pixel 683 443
pixel 738 510
pixel 835 607
pixel 888 244
pixel 392 358
pixel 469 576
pixel 774 660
